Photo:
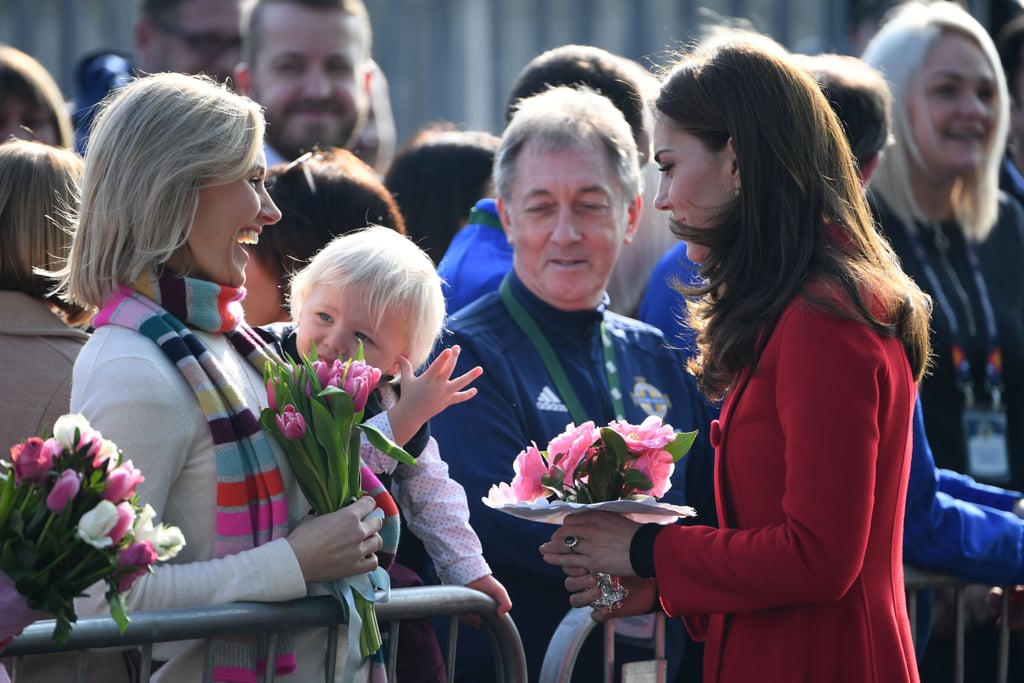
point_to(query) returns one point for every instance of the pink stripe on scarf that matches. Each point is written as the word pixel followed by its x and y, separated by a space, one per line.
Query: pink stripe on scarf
pixel 240 523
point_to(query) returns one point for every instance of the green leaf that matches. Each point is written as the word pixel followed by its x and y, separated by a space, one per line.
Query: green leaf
pixel 616 446
pixel 681 444
pixel 555 477
pixel 355 479
pixel 118 609
pixel 310 479
pixel 635 480
pixel 384 444
pixel 62 631
pixel 7 496
pixel 602 470
pixel 333 451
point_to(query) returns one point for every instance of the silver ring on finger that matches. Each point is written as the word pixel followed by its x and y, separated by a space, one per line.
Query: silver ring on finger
pixel 571 542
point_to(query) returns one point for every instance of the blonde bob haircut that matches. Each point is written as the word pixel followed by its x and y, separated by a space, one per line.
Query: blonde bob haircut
pixel 154 144
pixel 38 193
pixel 385 272
pixel 899 51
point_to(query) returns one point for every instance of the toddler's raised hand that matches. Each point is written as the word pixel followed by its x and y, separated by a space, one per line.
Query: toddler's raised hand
pixel 427 394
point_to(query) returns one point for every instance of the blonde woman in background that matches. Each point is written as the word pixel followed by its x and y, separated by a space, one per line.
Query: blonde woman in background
pixel 936 196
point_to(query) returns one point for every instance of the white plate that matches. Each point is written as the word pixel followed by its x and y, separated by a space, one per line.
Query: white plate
pixel 553 512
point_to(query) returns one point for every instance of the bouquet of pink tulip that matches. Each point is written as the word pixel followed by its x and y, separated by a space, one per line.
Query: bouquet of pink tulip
pixel 586 464
pixel 69 517
pixel 315 413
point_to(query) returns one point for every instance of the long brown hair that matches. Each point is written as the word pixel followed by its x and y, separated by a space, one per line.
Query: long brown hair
pixel 800 224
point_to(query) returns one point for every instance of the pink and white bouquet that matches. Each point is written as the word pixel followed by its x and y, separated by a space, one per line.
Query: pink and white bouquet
pixel 622 468
pixel 315 413
pixel 588 464
pixel 70 517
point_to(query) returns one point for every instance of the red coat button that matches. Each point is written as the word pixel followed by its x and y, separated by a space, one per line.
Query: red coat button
pixel 716 433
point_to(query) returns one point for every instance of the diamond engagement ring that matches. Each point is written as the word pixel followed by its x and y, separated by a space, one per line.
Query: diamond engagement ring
pixel 571 542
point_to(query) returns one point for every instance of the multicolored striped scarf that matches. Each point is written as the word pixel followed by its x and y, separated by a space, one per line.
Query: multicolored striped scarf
pixel 251 505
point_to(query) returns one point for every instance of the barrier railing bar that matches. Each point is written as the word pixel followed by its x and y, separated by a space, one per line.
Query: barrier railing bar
pixel 961 633
pixel 576 625
pixel 1003 671
pixel 453 636
pixel 255 618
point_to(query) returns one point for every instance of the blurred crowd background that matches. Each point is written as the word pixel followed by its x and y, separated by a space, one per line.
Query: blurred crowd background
pixel 455 59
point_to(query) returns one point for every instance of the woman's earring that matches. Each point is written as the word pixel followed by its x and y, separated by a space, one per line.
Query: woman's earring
pixel 736 190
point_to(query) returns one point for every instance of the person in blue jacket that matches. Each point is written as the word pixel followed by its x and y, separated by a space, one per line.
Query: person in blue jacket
pixel 663 306
pixel 477 259
pixel 479 255
pixel 958 526
pixel 569 200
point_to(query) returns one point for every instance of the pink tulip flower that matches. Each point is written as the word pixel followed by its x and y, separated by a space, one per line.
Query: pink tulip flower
pixel 140 555
pixel 329 374
pixel 122 482
pixel 291 423
pixel 33 459
pixel 64 491
pixel 360 381
pixel 125 521
pixel 271 395
pixel 90 441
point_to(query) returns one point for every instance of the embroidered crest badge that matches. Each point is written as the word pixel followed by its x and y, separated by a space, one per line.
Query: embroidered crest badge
pixel 649 398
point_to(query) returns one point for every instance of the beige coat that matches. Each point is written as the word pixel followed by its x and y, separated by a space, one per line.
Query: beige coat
pixel 37 352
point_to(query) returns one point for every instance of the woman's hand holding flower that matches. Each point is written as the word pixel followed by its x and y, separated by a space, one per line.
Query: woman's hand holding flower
pixel 338 544
pixel 583 590
pixel 603 543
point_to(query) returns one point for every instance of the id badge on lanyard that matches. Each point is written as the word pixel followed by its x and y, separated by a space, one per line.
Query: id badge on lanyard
pixel 984 424
pixel 988 457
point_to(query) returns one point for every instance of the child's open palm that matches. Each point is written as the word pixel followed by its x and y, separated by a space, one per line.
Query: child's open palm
pixel 427 394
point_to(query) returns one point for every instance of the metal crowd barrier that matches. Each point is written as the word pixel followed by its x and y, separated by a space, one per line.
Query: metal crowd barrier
pixel 249 618
pixel 918 579
pixel 576 626
pixel 572 632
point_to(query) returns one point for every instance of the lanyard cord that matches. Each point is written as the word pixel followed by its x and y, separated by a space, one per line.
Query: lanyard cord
pixel 554 367
pixel 961 364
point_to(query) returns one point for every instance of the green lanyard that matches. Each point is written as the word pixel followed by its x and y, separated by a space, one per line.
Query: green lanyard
pixel 554 367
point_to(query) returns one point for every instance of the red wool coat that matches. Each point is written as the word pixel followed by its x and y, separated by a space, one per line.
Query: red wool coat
pixel 804 579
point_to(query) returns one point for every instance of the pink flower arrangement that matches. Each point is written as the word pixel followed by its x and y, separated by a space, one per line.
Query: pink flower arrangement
pixel 69 517
pixel 315 412
pixel 587 464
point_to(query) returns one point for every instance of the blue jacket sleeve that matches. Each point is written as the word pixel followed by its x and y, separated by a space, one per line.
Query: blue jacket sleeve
pixel 965 488
pixel 974 542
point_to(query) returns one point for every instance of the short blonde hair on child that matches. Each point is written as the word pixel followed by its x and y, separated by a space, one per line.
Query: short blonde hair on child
pixel 388 273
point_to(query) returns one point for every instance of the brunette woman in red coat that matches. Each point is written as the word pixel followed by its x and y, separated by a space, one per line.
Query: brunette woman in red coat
pixel 814 337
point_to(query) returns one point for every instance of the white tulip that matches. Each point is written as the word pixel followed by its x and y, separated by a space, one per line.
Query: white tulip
pixel 65 426
pixel 95 525
pixel 167 541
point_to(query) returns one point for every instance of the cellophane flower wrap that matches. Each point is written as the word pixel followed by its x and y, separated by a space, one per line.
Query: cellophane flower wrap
pixel 70 517
pixel 315 413
pixel 589 464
